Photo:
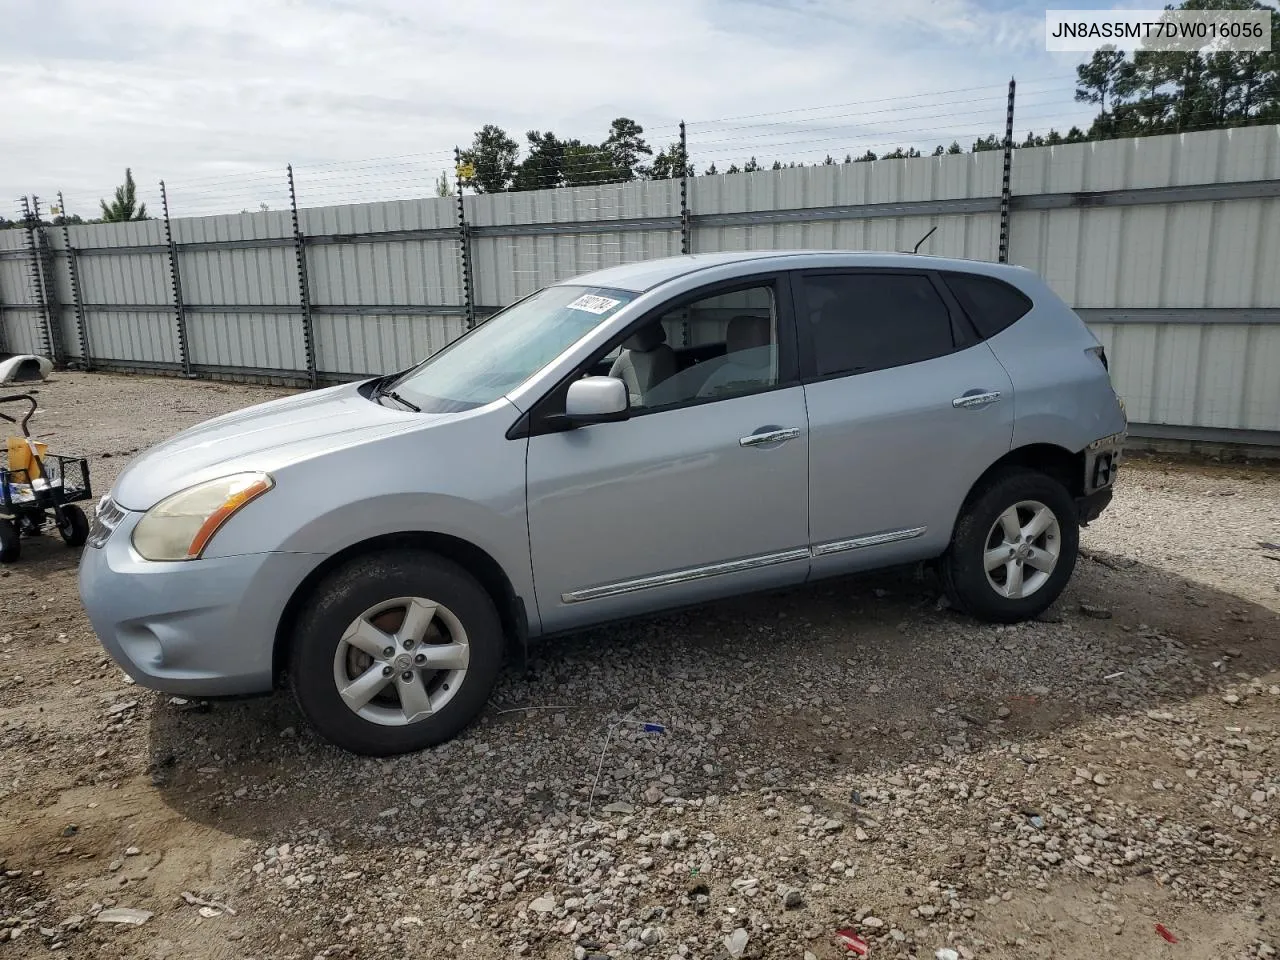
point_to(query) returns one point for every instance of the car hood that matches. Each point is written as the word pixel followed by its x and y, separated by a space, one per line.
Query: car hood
pixel 262 437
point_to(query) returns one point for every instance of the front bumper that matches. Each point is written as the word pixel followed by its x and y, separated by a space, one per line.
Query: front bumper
pixel 197 628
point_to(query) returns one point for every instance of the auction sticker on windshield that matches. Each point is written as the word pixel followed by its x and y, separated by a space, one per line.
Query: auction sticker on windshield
pixel 592 303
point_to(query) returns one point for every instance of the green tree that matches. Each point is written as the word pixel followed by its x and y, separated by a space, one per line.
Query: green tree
pixel 939 150
pixel 624 147
pixel 492 160
pixel 712 171
pixel 1096 80
pixel 867 157
pixel 125 205
pixel 667 164
pixel 586 164
pixel 955 147
pixel 750 166
pixel 444 186
pixel 543 167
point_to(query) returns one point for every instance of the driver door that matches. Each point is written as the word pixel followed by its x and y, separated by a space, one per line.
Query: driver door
pixel 702 492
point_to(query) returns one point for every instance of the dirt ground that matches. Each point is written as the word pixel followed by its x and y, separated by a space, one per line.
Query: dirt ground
pixel 846 756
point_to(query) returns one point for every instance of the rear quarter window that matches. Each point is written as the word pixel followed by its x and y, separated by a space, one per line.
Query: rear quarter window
pixel 992 305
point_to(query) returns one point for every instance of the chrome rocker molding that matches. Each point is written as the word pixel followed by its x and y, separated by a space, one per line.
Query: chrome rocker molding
pixel 871 540
pixel 738 566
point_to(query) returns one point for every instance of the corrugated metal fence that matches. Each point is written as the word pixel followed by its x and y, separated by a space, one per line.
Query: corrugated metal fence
pixel 1169 247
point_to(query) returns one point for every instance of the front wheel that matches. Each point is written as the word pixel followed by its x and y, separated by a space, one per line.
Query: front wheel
pixel 395 652
pixel 1014 547
pixel 73 526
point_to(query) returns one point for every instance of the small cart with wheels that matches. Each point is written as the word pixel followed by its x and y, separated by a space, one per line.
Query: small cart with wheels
pixel 35 487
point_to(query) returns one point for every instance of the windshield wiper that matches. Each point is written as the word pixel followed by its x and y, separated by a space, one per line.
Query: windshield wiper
pixel 395 396
pixel 380 391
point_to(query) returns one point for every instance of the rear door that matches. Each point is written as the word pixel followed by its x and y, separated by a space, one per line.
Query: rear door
pixel 907 408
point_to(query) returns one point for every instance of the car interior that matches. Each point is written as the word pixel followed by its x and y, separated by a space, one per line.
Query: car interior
pixel 720 345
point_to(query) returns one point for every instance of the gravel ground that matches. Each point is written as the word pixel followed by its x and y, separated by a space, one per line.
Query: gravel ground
pixel 848 756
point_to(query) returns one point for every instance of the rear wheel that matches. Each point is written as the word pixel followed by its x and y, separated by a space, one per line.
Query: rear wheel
pixel 10 542
pixel 73 526
pixel 1014 547
pixel 396 652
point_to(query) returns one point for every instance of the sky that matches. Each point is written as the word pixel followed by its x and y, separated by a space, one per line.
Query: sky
pixel 367 98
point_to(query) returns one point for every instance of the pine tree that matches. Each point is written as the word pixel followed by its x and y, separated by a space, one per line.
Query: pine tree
pixel 125 206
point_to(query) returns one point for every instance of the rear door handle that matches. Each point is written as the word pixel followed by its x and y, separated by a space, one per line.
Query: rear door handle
pixel 974 401
pixel 769 436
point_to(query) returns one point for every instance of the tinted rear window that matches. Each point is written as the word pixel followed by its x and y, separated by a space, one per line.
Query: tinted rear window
pixel 991 304
pixel 865 321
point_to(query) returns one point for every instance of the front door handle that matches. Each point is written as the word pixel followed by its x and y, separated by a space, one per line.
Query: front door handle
pixel 974 401
pixel 769 436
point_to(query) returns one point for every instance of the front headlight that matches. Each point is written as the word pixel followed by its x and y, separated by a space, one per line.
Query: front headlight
pixel 180 527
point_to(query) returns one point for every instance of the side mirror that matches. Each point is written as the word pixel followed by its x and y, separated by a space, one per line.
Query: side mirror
pixel 596 400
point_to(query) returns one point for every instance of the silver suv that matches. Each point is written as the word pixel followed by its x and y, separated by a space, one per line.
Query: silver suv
pixel 640 438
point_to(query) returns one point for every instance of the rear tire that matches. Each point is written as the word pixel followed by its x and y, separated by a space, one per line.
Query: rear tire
pixel 395 652
pixel 10 542
pixel 74 526
pixel 992 570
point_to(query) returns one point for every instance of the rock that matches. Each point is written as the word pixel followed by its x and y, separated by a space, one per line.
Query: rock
pixel 1101 779
pixel 1098 613
pixel 650 935
pixel 543 905
pixel 792 899
pixel 946 953
pixel 860 835
pixel 1231 698
pixel 121 707
pixel 736 943
pixel 618 806
pixel 833 826
pixel 1003 713
pixel 131 851
pixel 127 915
pixel 873 923
pixel 653 795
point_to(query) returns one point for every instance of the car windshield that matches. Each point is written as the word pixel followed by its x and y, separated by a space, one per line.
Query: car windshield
pixel 507 349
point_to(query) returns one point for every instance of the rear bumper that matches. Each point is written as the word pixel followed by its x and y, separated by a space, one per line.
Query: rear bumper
pixel 1090 506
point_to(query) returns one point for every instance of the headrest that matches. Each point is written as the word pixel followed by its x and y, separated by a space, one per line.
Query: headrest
pixel 747 332
pixel 646 338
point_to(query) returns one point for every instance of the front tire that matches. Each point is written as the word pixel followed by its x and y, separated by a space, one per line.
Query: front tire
pixel 395 652
pixel 74 526
pixel 1014 547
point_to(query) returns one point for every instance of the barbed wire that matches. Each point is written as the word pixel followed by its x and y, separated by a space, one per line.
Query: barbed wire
pixel 917 123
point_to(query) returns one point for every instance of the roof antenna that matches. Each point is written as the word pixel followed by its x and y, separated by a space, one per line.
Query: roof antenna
pixel 916 248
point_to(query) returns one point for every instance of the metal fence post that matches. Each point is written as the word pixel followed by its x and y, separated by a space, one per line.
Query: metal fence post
pixel 41 277
pixel 1008 169
pixel 464 244
pixel 686 226
pixel 304 285
pixel 73 276
pixel 175 278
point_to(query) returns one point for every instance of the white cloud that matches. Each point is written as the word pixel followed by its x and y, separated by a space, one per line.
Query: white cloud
pixel 197 92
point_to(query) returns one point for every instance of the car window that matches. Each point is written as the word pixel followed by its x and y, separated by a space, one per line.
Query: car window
pixel 859 322
pixel 731 349
pixel 991 304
